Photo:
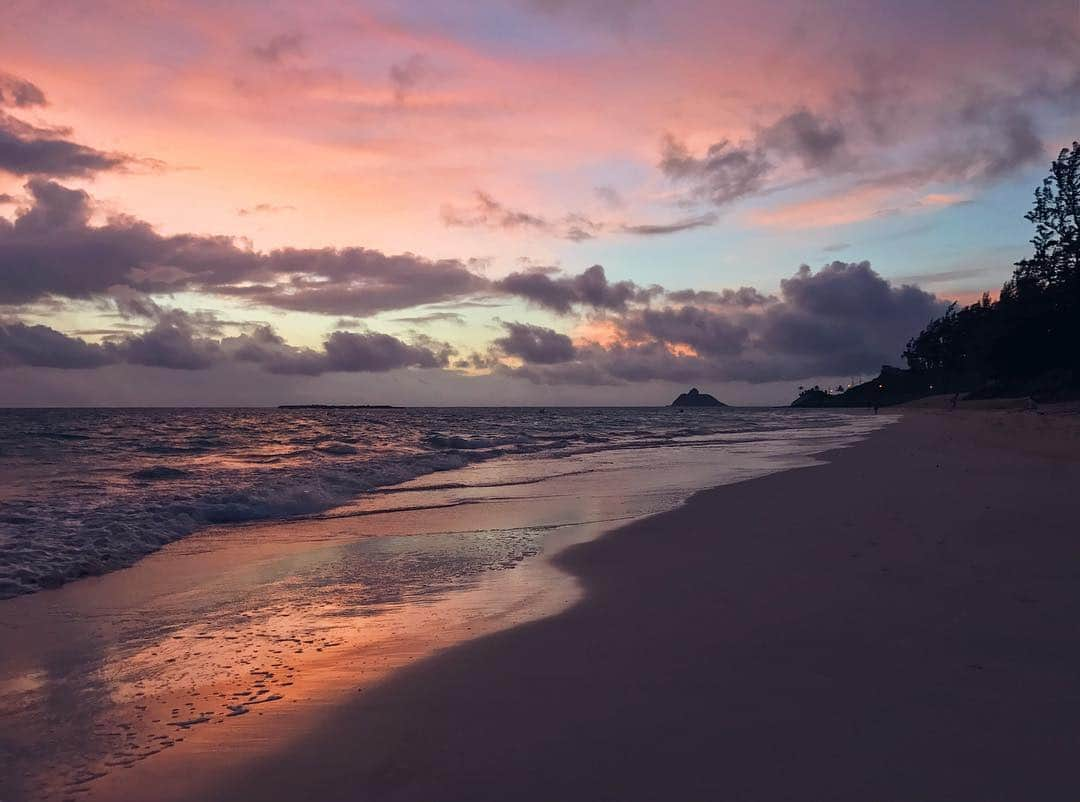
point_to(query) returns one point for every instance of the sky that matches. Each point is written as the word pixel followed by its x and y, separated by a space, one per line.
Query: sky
pixel 519 202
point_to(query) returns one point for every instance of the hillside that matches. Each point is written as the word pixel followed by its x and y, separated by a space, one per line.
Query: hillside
pixel 891 386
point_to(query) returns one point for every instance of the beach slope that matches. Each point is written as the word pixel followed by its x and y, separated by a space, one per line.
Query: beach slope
pixel 900 623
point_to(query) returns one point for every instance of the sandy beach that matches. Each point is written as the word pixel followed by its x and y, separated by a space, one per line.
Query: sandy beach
pixel 237 641
pixel 897 624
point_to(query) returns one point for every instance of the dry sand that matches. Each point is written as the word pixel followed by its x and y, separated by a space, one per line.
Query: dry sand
pixel 902 623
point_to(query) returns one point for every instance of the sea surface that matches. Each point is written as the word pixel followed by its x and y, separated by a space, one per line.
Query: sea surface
pixel 87 491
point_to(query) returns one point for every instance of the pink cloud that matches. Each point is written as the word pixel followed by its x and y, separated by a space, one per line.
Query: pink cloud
pixel 531 118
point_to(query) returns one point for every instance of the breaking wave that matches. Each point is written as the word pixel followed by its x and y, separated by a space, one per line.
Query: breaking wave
pixel 84 492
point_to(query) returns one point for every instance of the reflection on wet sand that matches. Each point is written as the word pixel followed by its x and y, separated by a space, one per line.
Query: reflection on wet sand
pixel 219 644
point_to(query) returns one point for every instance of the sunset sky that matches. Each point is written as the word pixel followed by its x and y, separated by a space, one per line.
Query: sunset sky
pixel 527 201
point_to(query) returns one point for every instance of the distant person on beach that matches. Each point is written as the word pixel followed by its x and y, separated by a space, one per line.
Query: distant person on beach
pixel 953 402
pixel 875 407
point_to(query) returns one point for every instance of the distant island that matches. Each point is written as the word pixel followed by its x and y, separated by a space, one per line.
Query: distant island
pixel 336 406
pixel 697 399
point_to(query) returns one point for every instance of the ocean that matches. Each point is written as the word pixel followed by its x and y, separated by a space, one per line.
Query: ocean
pixel 86 491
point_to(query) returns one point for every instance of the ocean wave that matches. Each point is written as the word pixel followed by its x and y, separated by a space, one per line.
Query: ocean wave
pixel 447 441
pixel 427 488
pixel 337 448
pixel 158 472
pixel 138 480
pixel 41 552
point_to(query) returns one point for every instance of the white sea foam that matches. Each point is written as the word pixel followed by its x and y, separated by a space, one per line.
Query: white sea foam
pixel 88 491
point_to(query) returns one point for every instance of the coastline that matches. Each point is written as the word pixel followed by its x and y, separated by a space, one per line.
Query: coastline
pixel 129 680
pixel 915 640
pixel 82 501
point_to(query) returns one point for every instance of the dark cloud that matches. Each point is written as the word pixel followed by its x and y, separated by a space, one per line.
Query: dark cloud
pixel 978 145
pixel 727 171
pixel 535 344
pixel 131 303
pixel 478 361
pixel 6 198
pixel 655 229
pixel 433 317
pixel 406 75
pixel 18 92
pixel 841 320
pixel 265 347
pixel 987 131
pixel 562 293
pixel 169 344
pixel 540 289
pixel 982 131
pixel 1011 143
pixel 615 365
pixel 845 315
pixel 702 329
pixel 971 131
pixel 343 351
pixel 742 297
pixel 41 346
pixel 806 136
pixel 578 234
pixel 353 281
pixel 52 249
pixel 176 341
pixel 370 351
pixel 724 174
pixel 833 247
pixel 27 150
pixel 578 228
pixel 593 289
pixel 581 374
pixel 469 305
pixel 279 48
pixel 948 275
pixel 118 330
pixel 490 213
pixel 650 361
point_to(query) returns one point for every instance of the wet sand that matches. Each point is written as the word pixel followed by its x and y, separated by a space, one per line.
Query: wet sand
pixel 901 623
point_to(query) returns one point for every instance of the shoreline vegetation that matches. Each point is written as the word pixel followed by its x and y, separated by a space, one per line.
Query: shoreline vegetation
pixel 796 648
pixel 1024 344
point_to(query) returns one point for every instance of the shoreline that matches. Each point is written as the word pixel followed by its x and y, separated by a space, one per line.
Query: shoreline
pixel 165 493
pixel 164 648
pixel 910 642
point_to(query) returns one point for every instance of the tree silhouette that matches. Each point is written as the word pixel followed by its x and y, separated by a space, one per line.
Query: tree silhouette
pixel 1029 339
